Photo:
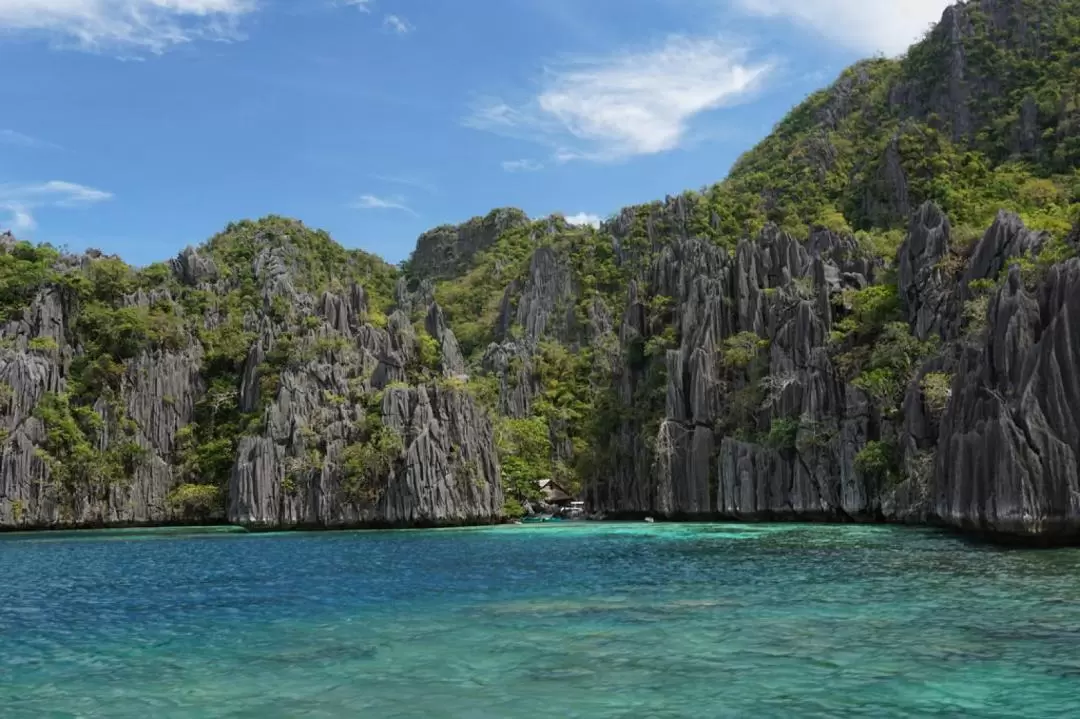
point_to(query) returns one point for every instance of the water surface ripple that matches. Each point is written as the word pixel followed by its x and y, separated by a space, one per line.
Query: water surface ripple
pixel 589 620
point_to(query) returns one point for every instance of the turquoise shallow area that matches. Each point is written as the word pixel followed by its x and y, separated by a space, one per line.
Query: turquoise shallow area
pixel 583 620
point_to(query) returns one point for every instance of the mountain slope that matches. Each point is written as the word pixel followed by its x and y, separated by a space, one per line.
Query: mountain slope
pixel 832 332
pixel 741 351
pixel 254 378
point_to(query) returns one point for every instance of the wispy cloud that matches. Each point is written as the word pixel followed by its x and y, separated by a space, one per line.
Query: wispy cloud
pixel 373 202
pixel 21 219
pixel 361 5
pixel 522 166
pixel 584 219
pixel 19 201
pixel 140 25
pixel 409 181
pixel 397 24
pixel 611 108
pixel 887 26
pixel 18 139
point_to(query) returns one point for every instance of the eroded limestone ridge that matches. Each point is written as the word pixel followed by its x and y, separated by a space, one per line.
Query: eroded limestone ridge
pixel 194 391
pixel 872 318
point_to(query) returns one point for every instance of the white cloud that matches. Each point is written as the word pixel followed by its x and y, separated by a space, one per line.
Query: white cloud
pixel 584 219
pixel 146 25
pixel 522 166
pixel 10 137
pixel 372 202
pixel 887 26
pixel 21 219
pixel 611 108
pixel 397 24
pixel 361 5
pixel 20 201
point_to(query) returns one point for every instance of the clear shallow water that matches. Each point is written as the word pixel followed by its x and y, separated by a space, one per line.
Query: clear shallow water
pixel 548 621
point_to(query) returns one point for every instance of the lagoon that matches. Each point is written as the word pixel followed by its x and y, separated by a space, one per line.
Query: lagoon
pixel 572 620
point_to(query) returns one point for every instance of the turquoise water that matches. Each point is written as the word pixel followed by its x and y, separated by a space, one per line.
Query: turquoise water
pixel 584 620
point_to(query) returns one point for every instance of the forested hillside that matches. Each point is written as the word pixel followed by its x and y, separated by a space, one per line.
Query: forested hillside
pixel 873 317
pixel 653 342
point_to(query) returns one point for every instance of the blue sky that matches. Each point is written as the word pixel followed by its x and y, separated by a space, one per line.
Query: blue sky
pixel 142 126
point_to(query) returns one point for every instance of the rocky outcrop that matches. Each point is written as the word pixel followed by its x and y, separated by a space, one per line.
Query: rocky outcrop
pixel 512 365
pixel 319 386
pixel 194 269
pixel 298 471
pixel 546 304
pixel 447 251
pixel 782 439
pixel 704 356
pixel 155 399
pixel 1010 439
pixel 452 363
pixel 445 470
pixel 924 289
pixel 802 426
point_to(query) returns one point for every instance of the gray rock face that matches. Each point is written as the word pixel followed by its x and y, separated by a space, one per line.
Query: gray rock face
pixel 296 471
pixel 157 393
pixel 453 364
pixel 1007 238
pixel 313 376
pixel 951 97
pixel 26 498
pixel 445 471
pixel 546 304
pixel 1010 439
pixel 1002 457
pixel 511 364
pixel 446 251
pixel 890 202
pixel 781 292
pixel 923 289
pixel 194 269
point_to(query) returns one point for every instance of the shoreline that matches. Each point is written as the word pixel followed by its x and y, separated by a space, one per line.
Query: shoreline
pixel 983 537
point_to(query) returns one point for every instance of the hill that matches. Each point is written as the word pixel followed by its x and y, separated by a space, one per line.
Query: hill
pixel 832 332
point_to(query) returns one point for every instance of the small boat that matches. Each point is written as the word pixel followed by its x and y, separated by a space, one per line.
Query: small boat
pixel 650 520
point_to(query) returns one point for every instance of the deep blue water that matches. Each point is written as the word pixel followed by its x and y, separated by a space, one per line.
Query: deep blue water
pixel 586 620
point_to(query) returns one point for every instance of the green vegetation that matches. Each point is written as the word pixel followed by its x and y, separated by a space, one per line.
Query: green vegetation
pixel 43 344
pixel 1033 269
pixel 892 364
pixel 879 461
pixel 937 389
pixel 71 448
pixel 429 353
pixel 525 455
pixel 783 434
pixel 110 324
pixel 875 348
pixel 319 262
pixel 740 350
pixel 24 270
pixel 196 502
pixel 368 464
pixel 855 158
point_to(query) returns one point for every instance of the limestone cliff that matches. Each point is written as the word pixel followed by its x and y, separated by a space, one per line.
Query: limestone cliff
pixel 872 318
pixel 236 393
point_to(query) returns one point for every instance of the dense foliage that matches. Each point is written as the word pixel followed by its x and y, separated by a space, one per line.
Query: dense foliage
pixel 116 314
pixel 855 158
